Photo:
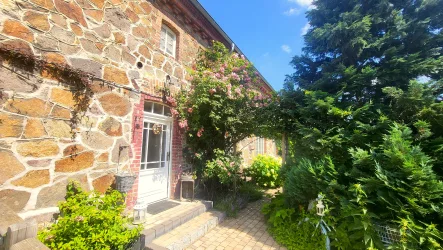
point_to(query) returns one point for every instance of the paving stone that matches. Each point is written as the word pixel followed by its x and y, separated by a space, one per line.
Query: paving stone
pixel 247 231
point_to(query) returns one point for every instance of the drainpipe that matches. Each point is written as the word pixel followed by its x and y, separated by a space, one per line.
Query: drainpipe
pixel 232 47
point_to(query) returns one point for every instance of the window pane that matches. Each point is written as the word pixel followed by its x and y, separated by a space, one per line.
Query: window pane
pixel 158 108
pixel 163 39
pixel 148 107
pixel 153 165
pixel 145 134
pixel 142 166
pixel 154 146
pixel 164 146
pixel 167 111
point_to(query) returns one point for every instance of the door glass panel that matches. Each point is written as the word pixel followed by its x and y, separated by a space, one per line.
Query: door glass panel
pixel 164 147
pixel 152 165
pixel 145 133
pixel 154 146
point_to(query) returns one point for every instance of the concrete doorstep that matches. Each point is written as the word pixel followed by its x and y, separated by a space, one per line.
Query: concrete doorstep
pixel 178 226
pixel 189 232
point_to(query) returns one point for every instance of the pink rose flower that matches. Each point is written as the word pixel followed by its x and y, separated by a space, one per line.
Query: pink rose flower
pixel 200 132
pixel 174 112
pixel 183 123
pixel 212 91
pixel 190 110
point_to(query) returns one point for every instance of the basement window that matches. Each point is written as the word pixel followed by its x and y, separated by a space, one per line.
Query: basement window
pixel 168 41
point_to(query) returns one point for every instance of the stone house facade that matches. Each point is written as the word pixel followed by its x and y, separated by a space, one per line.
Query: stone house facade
pixel 131 49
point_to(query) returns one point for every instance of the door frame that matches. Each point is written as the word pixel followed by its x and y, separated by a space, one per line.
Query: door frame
pixel 152 117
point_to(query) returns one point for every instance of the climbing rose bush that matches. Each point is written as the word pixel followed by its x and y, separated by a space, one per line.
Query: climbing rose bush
pixel 225 167
pixel 221 105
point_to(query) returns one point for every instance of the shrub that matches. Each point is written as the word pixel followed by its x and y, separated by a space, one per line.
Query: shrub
pixel 230 203
pixel 265 171
pixel 293 229
pixel 225 167
pixel 251 191
pixel 90 221
pixel 306 179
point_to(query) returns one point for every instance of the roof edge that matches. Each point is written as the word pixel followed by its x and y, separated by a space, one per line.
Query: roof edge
pixel 205 13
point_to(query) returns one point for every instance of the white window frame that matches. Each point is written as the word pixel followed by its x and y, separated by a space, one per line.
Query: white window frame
pixel 260 146
pixel 167 37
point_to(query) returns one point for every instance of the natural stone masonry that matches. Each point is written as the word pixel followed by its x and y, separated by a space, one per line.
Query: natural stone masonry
pixel 40 148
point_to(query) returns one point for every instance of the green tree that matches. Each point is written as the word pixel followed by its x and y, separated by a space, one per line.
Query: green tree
pixel 370 79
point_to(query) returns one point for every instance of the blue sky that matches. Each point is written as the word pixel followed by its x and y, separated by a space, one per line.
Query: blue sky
pixel 269 32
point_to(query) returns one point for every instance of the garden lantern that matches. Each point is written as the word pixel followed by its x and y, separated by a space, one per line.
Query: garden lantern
pixel 139 213
pixel 320 207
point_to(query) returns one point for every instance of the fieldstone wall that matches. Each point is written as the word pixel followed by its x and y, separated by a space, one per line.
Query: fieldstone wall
pixel 248 148
pixel 115 41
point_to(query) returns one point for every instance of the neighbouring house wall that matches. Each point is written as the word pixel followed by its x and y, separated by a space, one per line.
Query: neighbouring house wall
pixel 250 148
pixel 105 38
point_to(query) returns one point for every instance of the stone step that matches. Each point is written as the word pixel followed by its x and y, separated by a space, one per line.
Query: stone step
pixel 164 222
pixel 189 232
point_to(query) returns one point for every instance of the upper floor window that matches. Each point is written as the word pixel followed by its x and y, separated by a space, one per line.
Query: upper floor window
pixel 168 41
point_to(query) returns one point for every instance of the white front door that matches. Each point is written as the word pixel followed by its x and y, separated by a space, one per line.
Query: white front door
pixel 154 164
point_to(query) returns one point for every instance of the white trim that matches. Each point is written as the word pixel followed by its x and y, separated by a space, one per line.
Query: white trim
pixel 168 121
pixel 167 38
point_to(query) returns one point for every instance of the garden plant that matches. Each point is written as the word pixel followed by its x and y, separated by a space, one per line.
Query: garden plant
pixel 264 171
pixel 363 116
pixel 89 220
pixel 218 111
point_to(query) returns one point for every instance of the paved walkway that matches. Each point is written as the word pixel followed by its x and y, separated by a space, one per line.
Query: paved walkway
pixel 247 231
